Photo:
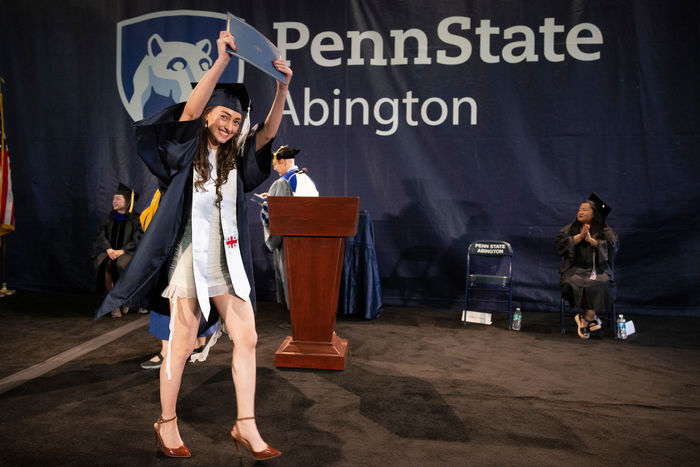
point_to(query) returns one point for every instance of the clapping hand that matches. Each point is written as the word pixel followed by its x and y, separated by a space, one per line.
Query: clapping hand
pixel 586 231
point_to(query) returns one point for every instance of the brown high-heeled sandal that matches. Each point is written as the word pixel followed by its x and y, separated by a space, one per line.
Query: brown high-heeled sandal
pixel 267 453
pixel 182 451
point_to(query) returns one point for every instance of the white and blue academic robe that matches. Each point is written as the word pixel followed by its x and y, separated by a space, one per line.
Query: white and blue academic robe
pixel 292 183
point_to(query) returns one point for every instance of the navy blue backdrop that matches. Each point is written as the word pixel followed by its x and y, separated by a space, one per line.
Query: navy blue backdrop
pixel 452 120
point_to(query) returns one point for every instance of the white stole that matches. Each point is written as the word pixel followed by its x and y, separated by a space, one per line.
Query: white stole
pixel 202 204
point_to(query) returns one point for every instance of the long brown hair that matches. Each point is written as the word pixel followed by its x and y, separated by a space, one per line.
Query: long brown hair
pixel 225 160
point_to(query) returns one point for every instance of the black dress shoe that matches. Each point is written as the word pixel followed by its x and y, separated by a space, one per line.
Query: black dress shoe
pixel 151 365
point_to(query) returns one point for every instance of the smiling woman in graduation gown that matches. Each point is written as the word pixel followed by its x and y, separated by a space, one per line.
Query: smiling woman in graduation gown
pixel 206 256
pixel 167 146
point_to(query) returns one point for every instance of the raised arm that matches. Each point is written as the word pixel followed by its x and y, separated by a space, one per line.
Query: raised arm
pixel 202 92
pixel 274 117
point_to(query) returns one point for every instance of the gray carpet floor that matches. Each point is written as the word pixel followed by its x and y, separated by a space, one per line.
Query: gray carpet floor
pixel 419 389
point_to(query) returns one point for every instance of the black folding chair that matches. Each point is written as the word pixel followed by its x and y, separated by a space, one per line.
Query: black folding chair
pixel 490 273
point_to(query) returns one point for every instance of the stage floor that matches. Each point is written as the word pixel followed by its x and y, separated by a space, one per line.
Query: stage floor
pixel 419 389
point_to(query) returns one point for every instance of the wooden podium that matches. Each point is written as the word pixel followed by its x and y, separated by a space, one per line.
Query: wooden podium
pixel 314 230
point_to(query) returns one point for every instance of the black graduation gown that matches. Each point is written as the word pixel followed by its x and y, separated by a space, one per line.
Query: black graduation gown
pixel 577 264
pixel 168 148
pixel 130 240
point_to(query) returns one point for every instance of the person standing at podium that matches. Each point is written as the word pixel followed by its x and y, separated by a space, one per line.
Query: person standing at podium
pixel 197 246
pixel 292 182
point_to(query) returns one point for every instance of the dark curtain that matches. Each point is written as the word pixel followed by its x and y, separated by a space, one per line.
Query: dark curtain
pixel 548 132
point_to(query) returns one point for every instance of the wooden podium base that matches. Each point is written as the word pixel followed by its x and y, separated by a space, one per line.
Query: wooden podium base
pixel 315 355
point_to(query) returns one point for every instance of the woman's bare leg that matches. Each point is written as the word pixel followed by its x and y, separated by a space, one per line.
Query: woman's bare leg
pixel 240 323
pixel 186 323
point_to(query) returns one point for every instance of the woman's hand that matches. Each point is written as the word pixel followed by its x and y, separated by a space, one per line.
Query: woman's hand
pixel 282 67
pixel 274 116
pixel 202 92
pixel 587 230
pixel 225 39
pixel 583 234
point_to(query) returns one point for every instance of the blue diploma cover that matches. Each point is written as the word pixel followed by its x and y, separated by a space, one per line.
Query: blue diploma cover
pixel 253 47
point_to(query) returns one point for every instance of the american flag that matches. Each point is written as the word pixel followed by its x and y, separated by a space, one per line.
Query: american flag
pixel 7 205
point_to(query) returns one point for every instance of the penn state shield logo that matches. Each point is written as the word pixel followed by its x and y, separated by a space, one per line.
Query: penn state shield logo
pixel 160 54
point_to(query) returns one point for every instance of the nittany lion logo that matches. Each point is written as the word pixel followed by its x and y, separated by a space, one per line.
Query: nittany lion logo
pixel 160 54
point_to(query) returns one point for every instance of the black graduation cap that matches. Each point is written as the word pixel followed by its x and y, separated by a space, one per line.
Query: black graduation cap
pixel 285 152
pixel 230 95
pixel 602 207
pixel 128 193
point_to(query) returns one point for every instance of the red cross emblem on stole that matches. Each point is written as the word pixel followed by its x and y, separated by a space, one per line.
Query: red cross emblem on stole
pixel 231 242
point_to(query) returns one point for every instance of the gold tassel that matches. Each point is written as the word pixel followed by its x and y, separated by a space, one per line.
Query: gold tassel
pixel 131 205
pixel 274 154
pixel 150 211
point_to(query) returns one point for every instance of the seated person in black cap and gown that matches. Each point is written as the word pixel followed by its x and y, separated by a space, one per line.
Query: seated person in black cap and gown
pixel 117 238
pixel 292 182
pixel 588 248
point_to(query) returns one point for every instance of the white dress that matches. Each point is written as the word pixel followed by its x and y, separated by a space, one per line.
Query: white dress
pixel 181 282
pixel 181 278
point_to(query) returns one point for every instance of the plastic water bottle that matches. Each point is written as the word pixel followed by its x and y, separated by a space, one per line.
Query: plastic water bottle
pixel 517 319
pixel 621 327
